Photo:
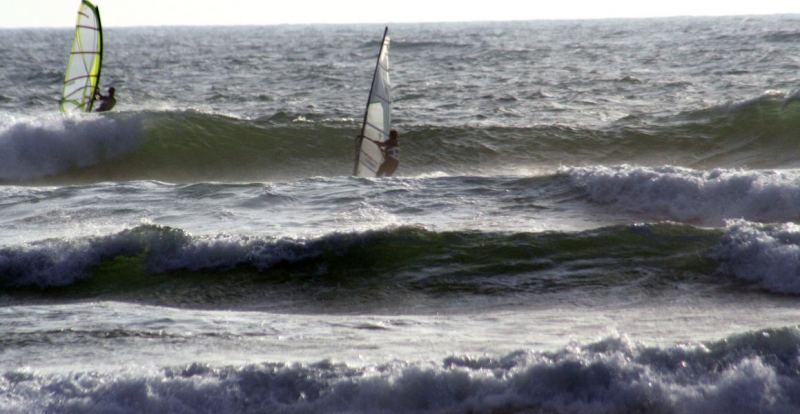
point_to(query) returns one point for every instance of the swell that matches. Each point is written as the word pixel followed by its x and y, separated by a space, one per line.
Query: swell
pixel 188 146
pixel 167 266
pixel 746 373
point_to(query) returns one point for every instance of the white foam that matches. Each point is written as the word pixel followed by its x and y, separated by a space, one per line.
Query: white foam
pixel 751 373
pixel 766 254
pixel 683 194
pixel 32 147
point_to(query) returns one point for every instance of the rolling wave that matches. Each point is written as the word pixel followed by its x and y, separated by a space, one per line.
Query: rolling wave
pixel 746 373
pixel 707 197
pixel 189 146
pixel 765 254
pixel 33 148
pixel 209 270
pixel 639 258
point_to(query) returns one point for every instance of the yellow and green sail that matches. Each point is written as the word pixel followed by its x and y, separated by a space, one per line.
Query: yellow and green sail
pixel 85 59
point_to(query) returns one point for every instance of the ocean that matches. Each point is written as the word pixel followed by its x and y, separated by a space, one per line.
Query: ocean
pixel 589 217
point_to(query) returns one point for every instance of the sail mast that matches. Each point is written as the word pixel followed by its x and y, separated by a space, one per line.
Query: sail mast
pixel 360 138
pixel 99 60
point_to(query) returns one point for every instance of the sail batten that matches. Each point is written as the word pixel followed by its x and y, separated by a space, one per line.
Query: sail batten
pixel 377 117
pixel 82 76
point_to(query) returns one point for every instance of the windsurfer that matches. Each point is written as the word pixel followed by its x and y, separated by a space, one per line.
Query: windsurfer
pixel 391 155
pixel 106 101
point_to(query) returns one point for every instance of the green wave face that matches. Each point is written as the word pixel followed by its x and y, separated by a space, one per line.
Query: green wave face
pixel 190 146
pixel 166 266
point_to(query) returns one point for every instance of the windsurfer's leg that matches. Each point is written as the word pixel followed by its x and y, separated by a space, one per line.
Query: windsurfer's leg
pixel 381 170
pixel 389 167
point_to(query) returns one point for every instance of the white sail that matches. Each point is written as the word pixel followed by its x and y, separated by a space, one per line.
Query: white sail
pixel 377 119
pixel 85 58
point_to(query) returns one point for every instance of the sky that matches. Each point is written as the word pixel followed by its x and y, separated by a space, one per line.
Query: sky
pixel 61 13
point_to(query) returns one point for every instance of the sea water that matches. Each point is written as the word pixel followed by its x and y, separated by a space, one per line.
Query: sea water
pixel 588 217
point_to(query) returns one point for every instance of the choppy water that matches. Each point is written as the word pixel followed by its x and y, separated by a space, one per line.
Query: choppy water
pixel 589 217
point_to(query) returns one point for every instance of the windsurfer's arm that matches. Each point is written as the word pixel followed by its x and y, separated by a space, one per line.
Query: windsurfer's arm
pixel 378 143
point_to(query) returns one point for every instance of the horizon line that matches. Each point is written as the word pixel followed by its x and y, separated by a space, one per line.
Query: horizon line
pixel 186 25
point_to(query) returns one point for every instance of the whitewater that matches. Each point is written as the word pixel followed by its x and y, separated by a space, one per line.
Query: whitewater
pixel 589 217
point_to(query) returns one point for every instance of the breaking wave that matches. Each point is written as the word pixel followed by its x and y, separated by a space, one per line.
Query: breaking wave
pixel 368 264
pixel 37 147
pixel 765 254
pixel 700 196
pixel 638 257
pixel 189 146
pixel 233 270
pixel 747 373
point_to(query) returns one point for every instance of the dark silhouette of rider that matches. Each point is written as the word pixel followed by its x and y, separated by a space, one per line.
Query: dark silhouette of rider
pixel 107 102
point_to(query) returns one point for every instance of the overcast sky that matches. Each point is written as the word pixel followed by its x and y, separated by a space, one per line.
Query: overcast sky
pixel 61 13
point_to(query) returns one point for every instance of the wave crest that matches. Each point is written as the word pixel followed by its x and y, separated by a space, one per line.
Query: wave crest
pixel 707 197
pixel 754 372
pixel 32 148
pixel 765 254
pixel 57 262
pixel 412 257
pixel 188 146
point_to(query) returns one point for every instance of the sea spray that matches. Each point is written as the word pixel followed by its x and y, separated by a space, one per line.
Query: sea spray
pixel 701 196
pixel 44 146
pixel 765 254
pixel 753 372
